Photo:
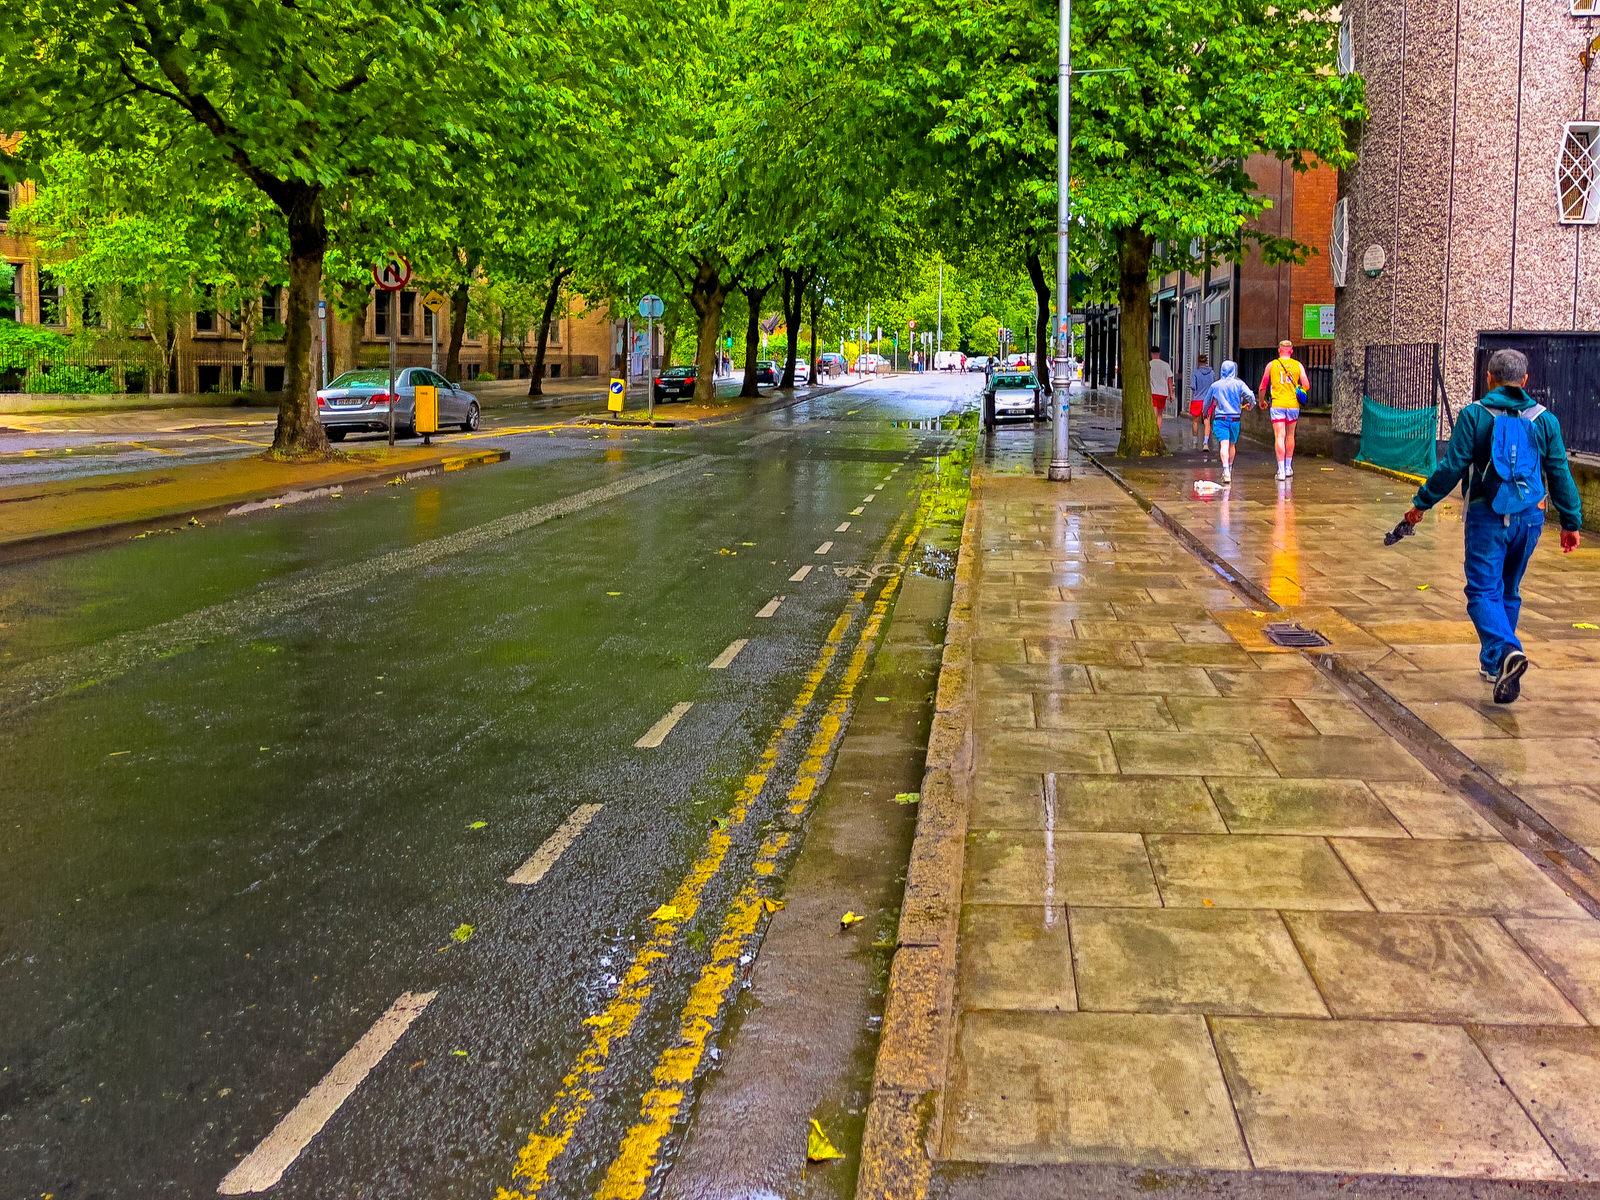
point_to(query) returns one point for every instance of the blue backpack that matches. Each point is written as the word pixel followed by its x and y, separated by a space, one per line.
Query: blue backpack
pixel 1516 460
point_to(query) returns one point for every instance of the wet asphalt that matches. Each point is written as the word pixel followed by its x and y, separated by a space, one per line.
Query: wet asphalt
pixel 261 779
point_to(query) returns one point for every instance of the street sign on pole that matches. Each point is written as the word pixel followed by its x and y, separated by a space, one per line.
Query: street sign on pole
pixel 433 302
pixel 651 306
pixel 615 398
pixel 322 337
pixel 391 276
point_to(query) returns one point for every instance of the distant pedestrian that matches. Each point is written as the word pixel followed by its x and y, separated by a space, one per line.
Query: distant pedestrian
pixel 1223 403
pixel 1509 450
pixel 1200 381
pixel 1286 383
pixel 1160 383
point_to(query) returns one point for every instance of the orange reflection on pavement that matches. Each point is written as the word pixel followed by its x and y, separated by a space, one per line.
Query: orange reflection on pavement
pixel 1283 561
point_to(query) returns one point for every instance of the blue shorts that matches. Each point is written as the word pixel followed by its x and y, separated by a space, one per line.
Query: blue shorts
pixel 1226 428
pixel 1285 414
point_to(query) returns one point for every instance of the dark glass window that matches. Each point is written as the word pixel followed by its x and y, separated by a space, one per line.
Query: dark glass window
pixel 408 314
pixel 271 309
pixel 380 314
pixel 208 377
pixel 205 313
pixel 52 299
pixel 10 291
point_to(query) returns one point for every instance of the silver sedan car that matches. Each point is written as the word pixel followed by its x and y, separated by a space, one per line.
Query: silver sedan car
pixel 358 401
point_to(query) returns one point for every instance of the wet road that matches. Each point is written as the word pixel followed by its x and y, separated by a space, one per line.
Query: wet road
pixel 267 785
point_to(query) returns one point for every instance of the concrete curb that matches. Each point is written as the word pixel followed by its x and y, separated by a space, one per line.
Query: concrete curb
pixel 64 542
pixel 903 1116
pixel 1403 476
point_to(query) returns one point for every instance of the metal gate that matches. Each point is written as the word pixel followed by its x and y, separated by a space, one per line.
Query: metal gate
pixel 1563 375
pixel 1402 406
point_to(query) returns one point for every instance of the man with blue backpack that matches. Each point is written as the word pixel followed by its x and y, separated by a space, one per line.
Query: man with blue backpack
pixel 1503 451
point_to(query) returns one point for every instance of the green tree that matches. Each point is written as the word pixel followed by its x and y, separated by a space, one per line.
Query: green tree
pixel 318 106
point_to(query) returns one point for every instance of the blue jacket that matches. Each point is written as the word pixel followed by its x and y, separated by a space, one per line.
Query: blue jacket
pixel 1469 448
pixel 1200 382
pixel 1226 397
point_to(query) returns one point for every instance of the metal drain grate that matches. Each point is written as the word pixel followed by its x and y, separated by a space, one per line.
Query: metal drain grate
pixel 1294 634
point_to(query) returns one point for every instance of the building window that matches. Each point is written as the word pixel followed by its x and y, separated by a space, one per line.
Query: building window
pixel 271 308
pixel 8 198
pixel 380 314
pixel 205 313
pixel 272 379
pixel 11 291
pixel 1578 174
pixel 408 314
pixel 52 300
pixel 1347 45
pixel 1339 242
pixel 381 310
pixel 208 377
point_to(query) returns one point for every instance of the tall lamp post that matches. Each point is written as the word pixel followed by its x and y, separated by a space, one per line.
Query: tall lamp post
pixel 1061 378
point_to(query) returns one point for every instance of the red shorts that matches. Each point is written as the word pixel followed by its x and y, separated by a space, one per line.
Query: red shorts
pixel 1160 402
pixel 1197 408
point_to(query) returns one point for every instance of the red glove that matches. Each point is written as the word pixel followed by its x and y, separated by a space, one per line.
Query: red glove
pixel 1413 516
pixel 1569 540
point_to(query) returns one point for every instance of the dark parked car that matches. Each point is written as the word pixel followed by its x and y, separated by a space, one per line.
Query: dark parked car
pixel 767 372
pixel 359 400
pixel 676 383
pixel 831 364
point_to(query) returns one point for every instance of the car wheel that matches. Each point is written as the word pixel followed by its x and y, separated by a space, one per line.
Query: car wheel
pixel 471 423
pixel 407 431
pixel 336 435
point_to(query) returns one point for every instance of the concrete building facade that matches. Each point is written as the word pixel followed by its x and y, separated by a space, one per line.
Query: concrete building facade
pixel 1473 203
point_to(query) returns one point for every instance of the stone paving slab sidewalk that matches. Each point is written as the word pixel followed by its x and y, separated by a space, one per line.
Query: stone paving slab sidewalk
pixel 34 516
pixel 1181 907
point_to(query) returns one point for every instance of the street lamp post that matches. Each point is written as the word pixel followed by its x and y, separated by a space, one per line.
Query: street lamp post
pixel 1060 465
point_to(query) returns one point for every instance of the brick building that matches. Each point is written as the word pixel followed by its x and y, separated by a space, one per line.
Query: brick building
pixel 1474 201
pixel 211 353
pixel 1241 310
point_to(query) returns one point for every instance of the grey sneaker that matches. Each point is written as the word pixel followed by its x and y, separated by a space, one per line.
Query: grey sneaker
pixel 1508 685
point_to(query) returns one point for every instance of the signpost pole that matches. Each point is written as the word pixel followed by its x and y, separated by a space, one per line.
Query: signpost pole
pixel 650 366
pixel 322 321
pixel 1060 463
pixel 394 350
pixel 433 334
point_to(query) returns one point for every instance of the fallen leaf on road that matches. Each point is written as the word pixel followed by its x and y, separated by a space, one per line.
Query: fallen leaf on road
pixel 881 699
pixel 667 912
pixel 478 825
pixel 459 1053
pixel 1208 903
pixel 772 906
pixel 613 593
pixel 850 918
pixel 818 1147
pixel 1584 625
pixel 1422 587
pixel 461 933
pixel 907 797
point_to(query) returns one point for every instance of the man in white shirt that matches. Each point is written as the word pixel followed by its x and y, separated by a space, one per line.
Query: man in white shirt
pixel 1160 383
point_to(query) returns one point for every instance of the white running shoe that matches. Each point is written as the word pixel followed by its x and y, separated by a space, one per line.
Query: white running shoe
pixel 1280 473
pixel 1227 477
pixel 1288 466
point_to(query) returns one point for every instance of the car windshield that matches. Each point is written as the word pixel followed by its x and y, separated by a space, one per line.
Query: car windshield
pixel 1013 381
pixel 678 373
pixel 374 377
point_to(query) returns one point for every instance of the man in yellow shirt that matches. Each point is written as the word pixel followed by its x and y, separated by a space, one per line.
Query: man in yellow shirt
pixel 1284 384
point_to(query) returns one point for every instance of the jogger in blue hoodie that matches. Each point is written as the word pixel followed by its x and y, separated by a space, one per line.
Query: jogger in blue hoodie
pixel 1499 542
pixel 1225 400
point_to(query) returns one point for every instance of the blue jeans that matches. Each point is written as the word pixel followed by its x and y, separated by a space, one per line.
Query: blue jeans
pixel 1497 555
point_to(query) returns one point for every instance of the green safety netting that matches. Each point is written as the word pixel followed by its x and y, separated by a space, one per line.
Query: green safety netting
pixel 1402 439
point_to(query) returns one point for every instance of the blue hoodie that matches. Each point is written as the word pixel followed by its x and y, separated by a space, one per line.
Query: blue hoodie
pixel 1225 398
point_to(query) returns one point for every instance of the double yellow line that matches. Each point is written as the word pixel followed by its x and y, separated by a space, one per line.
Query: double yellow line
pixel 675 1067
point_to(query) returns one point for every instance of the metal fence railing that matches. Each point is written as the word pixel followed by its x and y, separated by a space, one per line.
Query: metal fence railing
pixel 1563 375
pixel 1403 407
pixel 1316 357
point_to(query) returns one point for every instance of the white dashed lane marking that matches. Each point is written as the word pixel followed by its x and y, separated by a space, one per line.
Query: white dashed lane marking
pixel 824 548
pixel 843 525
pixel 869 499
pixel 555 846
pixel 800 575
pixel 722 661
pixel 265 1165
pixel 770 607
pixel 856 511
pixel 658 731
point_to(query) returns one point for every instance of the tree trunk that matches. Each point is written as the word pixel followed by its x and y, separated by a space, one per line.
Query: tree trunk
pixel 458 320
pixel 499 345
pixel 706 296
pixel 299 430
pixel 815 295
pixel 794 294
pixel 1041 319
pixel 1141 433
pixel 752 339
pixel 249 322
pixel 536 383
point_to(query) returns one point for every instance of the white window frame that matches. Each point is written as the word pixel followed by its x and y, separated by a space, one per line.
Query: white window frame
pixel 1582 166
pixel 1339 243
pixel 1347 42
